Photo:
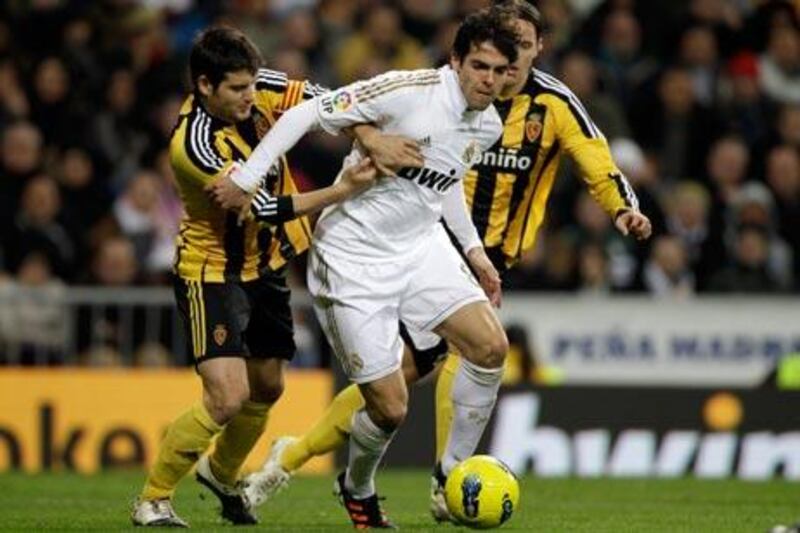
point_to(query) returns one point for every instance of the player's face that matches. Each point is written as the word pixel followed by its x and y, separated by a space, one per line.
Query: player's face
pixel 482 73
pixel 530 44
pixel 232 99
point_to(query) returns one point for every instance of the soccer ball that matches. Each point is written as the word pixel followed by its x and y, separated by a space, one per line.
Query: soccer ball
pixel 481 492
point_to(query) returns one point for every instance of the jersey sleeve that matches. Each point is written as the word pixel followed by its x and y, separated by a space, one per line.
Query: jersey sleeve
pixel 371 101
pixel 588 147
pixel 195 153
pixel 282 93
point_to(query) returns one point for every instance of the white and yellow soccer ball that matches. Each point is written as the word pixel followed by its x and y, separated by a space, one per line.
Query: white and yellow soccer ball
pixel 481 492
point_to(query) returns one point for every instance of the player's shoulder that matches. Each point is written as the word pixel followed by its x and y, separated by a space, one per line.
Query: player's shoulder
pixel 269 79
pixel 540 81
pixel 395 81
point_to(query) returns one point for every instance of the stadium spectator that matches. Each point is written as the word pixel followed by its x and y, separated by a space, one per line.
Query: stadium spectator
pixel 594 226
pixel 698 53
pixel 783 178
pixel 31 324
pixel 593 275
pixel 115 128
pixel 140 213
pixel 53 108
pixel 688 207
pixel 742 106
pixel 780 66
pixel 379 45
pixel 754 206
pixel 14 103
pixel 579 74
pixel 152 355
pixel 623 65
pixel 675 128
pixel 643 176
pixel 667 273
pixel 85 196
pixel 21 157
pixel 748 272
pixel 39 227
pixel 114 264
pixel 788 125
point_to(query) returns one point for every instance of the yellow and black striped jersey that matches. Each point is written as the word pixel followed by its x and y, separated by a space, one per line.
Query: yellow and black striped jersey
pixel 211 245
pixel 507 189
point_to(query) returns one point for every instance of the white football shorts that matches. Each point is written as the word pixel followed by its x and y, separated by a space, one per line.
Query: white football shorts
pixel 359 304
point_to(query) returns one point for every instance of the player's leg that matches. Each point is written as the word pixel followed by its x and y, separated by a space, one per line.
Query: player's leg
pixel 357 307
pixel 270 340
pixel 480 339
pixel 225 388
pixel 332 430
pixel 444 296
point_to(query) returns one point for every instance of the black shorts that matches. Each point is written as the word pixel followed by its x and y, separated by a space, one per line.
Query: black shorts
pixel 230 319
pixel 424 359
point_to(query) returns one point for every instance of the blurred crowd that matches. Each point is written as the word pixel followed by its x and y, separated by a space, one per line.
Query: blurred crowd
pixel 700 101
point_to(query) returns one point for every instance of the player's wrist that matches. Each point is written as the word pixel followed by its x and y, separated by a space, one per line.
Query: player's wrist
pixel 244 178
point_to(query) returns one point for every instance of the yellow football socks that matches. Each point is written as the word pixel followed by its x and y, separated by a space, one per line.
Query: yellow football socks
pixel 330 432
pixel 444 402
pixel 237 440
pixel 187 438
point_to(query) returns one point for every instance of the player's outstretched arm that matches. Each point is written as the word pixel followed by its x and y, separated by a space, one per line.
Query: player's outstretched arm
pixel 233 188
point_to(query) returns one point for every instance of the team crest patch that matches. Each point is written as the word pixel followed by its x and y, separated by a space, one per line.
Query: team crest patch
pixel 220 334
pixel 533 125
pixel 472 153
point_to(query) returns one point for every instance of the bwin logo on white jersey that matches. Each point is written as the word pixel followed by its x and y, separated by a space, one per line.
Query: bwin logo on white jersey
pixel 428 178
pixel 506 159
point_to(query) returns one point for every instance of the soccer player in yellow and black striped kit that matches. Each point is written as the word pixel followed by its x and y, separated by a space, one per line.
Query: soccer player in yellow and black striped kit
pixel 507 193
pixel 230 284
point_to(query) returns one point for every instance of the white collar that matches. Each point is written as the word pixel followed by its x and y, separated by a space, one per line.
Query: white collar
pixel 456 96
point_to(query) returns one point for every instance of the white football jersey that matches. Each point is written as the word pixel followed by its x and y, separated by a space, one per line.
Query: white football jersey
pixel 395 217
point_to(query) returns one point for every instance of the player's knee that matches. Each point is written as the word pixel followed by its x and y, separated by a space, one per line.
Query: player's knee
pixel 391 414
pixel 268 392
pixel 223 407
pixel 491 353
pixel 498 349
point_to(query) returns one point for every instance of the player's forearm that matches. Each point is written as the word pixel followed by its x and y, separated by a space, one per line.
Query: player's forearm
pixel 289 129
pixel 277 209
pixel 456 216
pixel 310 202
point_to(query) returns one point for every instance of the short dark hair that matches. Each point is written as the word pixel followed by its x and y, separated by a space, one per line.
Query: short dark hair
pixel 526 11
pixel 221 49
pixel 487 25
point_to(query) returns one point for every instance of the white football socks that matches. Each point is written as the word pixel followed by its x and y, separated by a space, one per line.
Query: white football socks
pixel 368 443
pixel 474 395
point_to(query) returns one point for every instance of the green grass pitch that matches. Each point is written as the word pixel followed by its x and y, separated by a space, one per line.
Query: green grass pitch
pixel 102 502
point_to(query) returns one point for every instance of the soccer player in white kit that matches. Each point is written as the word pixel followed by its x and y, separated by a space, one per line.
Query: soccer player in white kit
pixel 382 256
